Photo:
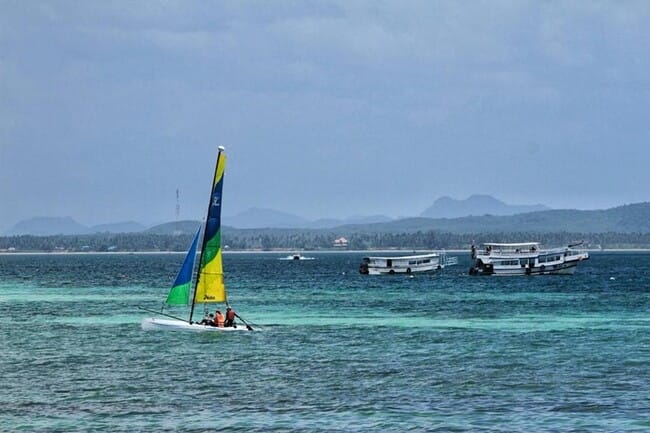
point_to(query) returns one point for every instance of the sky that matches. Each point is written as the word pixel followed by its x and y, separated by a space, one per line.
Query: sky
pixel 326 109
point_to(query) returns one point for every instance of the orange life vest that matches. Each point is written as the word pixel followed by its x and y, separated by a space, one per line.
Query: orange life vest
pixel 219 320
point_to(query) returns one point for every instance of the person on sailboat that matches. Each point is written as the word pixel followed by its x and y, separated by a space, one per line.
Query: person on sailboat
pixel 219 319
pixel 230 318
pixel 208 320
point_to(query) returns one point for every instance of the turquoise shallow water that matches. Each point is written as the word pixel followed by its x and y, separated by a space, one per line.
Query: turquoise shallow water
pixel 338 352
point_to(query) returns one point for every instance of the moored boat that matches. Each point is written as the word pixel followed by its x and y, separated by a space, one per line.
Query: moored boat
pixel 525 258
pixel 296 256
pixel 405 264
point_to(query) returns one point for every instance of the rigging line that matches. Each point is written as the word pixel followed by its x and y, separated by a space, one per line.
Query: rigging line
pixel 161 313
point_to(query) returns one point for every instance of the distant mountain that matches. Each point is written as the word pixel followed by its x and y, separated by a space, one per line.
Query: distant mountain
pixel 632 218
pixel 447 207
pixel 326 223
pixel 123 227
pixel 176 227
pixel 255 218
pixel 264 218
pixel 45 226
pixel 249 219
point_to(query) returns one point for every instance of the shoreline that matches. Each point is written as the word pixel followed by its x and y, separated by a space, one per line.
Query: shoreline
pixel 226 252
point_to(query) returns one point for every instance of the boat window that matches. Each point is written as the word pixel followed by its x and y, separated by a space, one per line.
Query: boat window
pixel 412 262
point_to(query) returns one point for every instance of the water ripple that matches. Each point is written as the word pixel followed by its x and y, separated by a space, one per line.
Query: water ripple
pixel 337 352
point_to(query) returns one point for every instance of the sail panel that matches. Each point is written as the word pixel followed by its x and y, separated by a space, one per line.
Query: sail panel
pixel 210 286
pixel 180 291
pixel 179 295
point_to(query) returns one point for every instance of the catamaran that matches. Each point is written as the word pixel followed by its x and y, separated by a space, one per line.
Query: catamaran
pixel 208 287
pixel 525 258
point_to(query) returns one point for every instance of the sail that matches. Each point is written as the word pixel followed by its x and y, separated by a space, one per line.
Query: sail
pixel 210 285
pixel 180 291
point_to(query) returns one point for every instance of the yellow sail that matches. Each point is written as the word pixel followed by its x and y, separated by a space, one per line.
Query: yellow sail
pixel 210 285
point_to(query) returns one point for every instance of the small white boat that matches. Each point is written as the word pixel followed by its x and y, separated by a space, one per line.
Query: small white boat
pixel 405 264
pixel 209 286
pixel 525 258
pixel 296 256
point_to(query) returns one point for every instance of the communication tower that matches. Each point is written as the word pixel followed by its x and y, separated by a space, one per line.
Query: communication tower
pixel 178 211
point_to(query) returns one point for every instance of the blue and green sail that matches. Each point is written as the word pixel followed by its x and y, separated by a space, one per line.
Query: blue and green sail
pixel 210 285
pixel 180 291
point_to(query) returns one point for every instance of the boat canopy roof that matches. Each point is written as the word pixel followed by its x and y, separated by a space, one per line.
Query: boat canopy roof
pixel 511 245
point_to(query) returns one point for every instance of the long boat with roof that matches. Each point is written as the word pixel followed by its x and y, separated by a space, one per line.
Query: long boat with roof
pixel 205 286
pixel 405 264
pixel 525 258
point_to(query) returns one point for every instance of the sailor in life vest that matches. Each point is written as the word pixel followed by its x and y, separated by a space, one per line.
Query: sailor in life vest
pixel 230 318
pixel 218 319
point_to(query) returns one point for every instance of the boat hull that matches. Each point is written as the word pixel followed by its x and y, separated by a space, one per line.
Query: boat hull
pixel 156 324
pixel 398 270
pixel 566 268
pixel 292 259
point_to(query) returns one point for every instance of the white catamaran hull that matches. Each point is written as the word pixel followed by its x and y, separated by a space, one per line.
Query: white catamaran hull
pixel 155 324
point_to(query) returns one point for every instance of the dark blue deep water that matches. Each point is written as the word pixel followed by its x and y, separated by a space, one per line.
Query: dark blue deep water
pixel 337 351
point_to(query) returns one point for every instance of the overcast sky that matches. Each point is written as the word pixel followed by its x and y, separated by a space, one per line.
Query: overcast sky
pixel 327 109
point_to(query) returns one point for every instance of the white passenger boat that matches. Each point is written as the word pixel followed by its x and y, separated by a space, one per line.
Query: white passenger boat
pixel 525 258
pixel 405 264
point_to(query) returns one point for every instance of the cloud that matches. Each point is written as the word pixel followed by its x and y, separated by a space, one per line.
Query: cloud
pixel 145 86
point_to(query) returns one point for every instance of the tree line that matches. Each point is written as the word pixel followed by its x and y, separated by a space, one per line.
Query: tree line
pixel 310 240
pixel 100 242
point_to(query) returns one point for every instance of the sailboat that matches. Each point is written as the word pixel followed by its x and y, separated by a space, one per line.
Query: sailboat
pixel 209 286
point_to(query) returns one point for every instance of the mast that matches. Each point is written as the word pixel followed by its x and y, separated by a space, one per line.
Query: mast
pixel 204 240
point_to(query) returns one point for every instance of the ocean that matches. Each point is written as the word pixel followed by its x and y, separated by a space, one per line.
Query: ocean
pixel 336 351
